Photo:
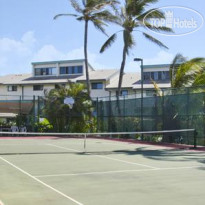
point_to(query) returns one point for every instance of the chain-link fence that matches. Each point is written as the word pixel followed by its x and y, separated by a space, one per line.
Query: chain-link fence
pixel 166 109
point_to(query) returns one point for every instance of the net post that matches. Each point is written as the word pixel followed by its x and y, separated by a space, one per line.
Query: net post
pixel 85 137
pixel 195 139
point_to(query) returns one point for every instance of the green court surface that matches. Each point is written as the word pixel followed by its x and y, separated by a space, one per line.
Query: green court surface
pixel 56 171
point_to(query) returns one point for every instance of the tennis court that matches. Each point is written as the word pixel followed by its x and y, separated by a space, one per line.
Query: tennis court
pixel 56 170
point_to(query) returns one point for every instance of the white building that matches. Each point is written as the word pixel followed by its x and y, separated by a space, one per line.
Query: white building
pixel 47 75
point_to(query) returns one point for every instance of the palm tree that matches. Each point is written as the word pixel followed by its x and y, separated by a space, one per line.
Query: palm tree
pixel 185 72
pixel 94 11
pixel 132 17
pixel 62 117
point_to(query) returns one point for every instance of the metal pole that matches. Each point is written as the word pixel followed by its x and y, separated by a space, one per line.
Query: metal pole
pixel 195 139
pixel 142 81
pixel 97 114
pixel 85 137
pixel 34 113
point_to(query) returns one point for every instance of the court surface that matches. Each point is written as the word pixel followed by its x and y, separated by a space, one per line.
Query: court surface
pixel 56 171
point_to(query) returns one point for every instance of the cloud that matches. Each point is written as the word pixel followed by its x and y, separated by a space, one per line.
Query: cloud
pixel 49 53
pixel 162 57
pixel 15 54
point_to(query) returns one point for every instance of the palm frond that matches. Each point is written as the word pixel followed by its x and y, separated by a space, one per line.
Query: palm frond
pixel 147 2
pixel 76 6
pixel 108 43
pixel 59 15
pixel 157 88
pixel 99 25
pixel 178 59
pixel 152 13
pixel 103 4
pixel 107 16
pixel 84 3
pixel 154 40
pixel 158 28
pixel 188 72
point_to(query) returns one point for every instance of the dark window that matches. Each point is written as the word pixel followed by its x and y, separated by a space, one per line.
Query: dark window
pixel 37 71
pixel 167 74
pixel 71 70
pixel 45 71
pixel 12 88
pixel 124 92
pixel 63 70
pixel 159 75
pixel 97 86
pixel 146 76
pixel 80 69
pixel 37 87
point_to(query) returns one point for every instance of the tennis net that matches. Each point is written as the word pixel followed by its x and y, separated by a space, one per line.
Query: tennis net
pixel 80 142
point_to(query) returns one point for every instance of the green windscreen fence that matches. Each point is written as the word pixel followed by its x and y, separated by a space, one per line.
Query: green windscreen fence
pixel 173 109
pixel 169 109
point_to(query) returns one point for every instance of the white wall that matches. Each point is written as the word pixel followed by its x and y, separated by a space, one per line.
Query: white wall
pixel 28 91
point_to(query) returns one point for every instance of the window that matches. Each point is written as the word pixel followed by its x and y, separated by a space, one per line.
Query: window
pixel 158 75
pixel 167 74
pixel 71 70
pixel 97 86
pixel 146 75
pixel 12 88
pixel 37 87
pixel 124 92
pixel 45 71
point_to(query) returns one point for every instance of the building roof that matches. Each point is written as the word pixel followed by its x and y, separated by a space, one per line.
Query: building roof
pixel 151 86
pixel 128 80
pixel 28 79
pixel 105 74
pixel 13 79
pixel 156 66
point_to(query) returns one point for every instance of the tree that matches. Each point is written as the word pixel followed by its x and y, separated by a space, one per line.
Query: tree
pixel 132 17
pixel 61 116
pixel 187 73
pixel 94 11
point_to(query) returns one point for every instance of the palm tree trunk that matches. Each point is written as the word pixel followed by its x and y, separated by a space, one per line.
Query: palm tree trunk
pixel 122 70
pixel 86 57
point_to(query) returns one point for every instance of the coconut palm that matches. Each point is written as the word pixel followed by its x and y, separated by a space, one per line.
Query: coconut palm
pixel 185 73
pixel 131 18
pixel 94 11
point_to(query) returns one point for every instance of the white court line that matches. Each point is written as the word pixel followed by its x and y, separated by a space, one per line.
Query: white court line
pixel 93 173
pixel 110 158
pixel 41 182
pixel 65 148
pixel 118 171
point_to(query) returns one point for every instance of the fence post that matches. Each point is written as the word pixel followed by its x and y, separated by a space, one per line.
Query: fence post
pixel 38 109
pixel 124 114
pixel 34 113
pixel 20 111
pixel 195 139
pixel 187 111
pixel 97 114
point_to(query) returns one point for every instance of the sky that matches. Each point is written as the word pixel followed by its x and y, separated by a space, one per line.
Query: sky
pixel 28 34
